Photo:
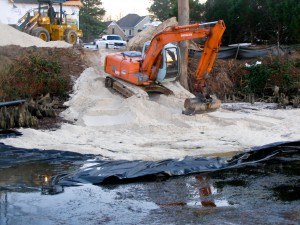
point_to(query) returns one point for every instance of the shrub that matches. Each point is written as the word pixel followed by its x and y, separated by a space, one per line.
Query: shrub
pixel 277 73
pixel 32 76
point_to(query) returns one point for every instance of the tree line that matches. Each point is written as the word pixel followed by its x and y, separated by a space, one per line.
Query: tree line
pixel 255 21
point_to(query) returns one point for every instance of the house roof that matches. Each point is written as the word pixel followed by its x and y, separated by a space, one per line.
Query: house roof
pixel 131 20
pixel 73 3
pixel 107 23
pixel 68 2
pixel 113 23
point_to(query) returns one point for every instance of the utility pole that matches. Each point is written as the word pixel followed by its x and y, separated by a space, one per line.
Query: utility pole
pixel 183 19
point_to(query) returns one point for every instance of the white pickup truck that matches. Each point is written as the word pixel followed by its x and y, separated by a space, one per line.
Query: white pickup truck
pixel 111 41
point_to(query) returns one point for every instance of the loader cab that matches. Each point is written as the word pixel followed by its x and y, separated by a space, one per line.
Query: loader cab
pixel 48 15
pixel 169 69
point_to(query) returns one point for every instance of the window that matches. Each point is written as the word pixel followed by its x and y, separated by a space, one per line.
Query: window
pixel 172 62
pixel 110 37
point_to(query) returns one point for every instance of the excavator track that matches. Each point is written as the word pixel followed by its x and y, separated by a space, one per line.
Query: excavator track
pixel 118 87
pixel 127 90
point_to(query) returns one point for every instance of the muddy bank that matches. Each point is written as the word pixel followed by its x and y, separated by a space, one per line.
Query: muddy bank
pixel 41 113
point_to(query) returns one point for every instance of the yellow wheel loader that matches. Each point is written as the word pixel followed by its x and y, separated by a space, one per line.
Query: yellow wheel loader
pixel 47 24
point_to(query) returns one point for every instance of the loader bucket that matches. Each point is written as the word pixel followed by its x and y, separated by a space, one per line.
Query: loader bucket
pixel 201 104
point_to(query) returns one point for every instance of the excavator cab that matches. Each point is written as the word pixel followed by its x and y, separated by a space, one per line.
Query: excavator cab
pixel 168 69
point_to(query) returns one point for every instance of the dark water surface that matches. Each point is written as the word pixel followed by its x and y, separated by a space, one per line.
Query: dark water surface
pixel 259 192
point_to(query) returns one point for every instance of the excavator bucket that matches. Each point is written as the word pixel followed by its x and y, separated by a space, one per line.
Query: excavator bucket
pixel 201 104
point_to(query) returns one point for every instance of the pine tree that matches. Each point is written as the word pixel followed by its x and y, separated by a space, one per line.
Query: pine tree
pixel 91 16
pixel 162 9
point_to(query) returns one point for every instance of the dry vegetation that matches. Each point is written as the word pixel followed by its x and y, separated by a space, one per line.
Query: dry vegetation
pixel 42 76
pixel 31 72
pixel 231 80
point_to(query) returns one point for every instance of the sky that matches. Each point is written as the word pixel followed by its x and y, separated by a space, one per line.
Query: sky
pixel 116 9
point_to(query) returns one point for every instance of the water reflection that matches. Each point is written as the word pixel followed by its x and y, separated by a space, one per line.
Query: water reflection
pixel 205 192
pixel 3 207
pixel 31 176
pixel 28 195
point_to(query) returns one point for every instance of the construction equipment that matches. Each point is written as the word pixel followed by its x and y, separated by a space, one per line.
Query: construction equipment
pixel 43 22
pixel 159 63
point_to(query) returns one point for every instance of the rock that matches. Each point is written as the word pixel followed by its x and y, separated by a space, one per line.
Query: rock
pixel 276 91
pixel 55 104
pixel 45 99
pixel 38 114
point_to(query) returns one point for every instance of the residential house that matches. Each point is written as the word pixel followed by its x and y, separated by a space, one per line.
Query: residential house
pixel 113 28
pixel 132 24
pixel 13 10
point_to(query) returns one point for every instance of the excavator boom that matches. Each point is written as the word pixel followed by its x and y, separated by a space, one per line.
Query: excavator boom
pixel 180 33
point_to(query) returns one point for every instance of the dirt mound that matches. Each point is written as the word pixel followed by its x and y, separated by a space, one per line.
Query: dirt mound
pixel 136 43
pixel 93 57
pixel 32 72
pixel 11 36
pixel 229 79
pixel 70 59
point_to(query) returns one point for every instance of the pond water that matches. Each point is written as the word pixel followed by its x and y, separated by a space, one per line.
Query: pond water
pixel 264 192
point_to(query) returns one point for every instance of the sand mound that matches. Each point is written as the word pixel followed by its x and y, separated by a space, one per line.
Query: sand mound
pixel 11 36
pixel 136 43
pixel 106 124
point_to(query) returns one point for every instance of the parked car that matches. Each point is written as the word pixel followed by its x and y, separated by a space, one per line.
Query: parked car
pixel 111 41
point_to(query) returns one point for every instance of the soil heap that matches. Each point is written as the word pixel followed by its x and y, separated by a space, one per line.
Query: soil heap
pixel 24 60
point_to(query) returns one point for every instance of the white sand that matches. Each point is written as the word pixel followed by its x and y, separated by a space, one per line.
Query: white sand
pixel 154 129
pixel 149 129
pixel 12 36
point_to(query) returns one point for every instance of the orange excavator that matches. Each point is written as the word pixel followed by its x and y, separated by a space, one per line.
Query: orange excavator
pixel 159 63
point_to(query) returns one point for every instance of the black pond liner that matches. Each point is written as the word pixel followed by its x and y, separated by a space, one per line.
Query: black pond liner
pixel 13 157
pixel 5 133
pixel 123 171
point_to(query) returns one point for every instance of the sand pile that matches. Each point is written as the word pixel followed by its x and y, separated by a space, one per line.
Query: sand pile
pixel 136 43
pixel 105 123
pixel 11 36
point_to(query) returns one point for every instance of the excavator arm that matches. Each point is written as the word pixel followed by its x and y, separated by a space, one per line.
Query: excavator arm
pixel 157 64
pixel 213 31
pixel 210 50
